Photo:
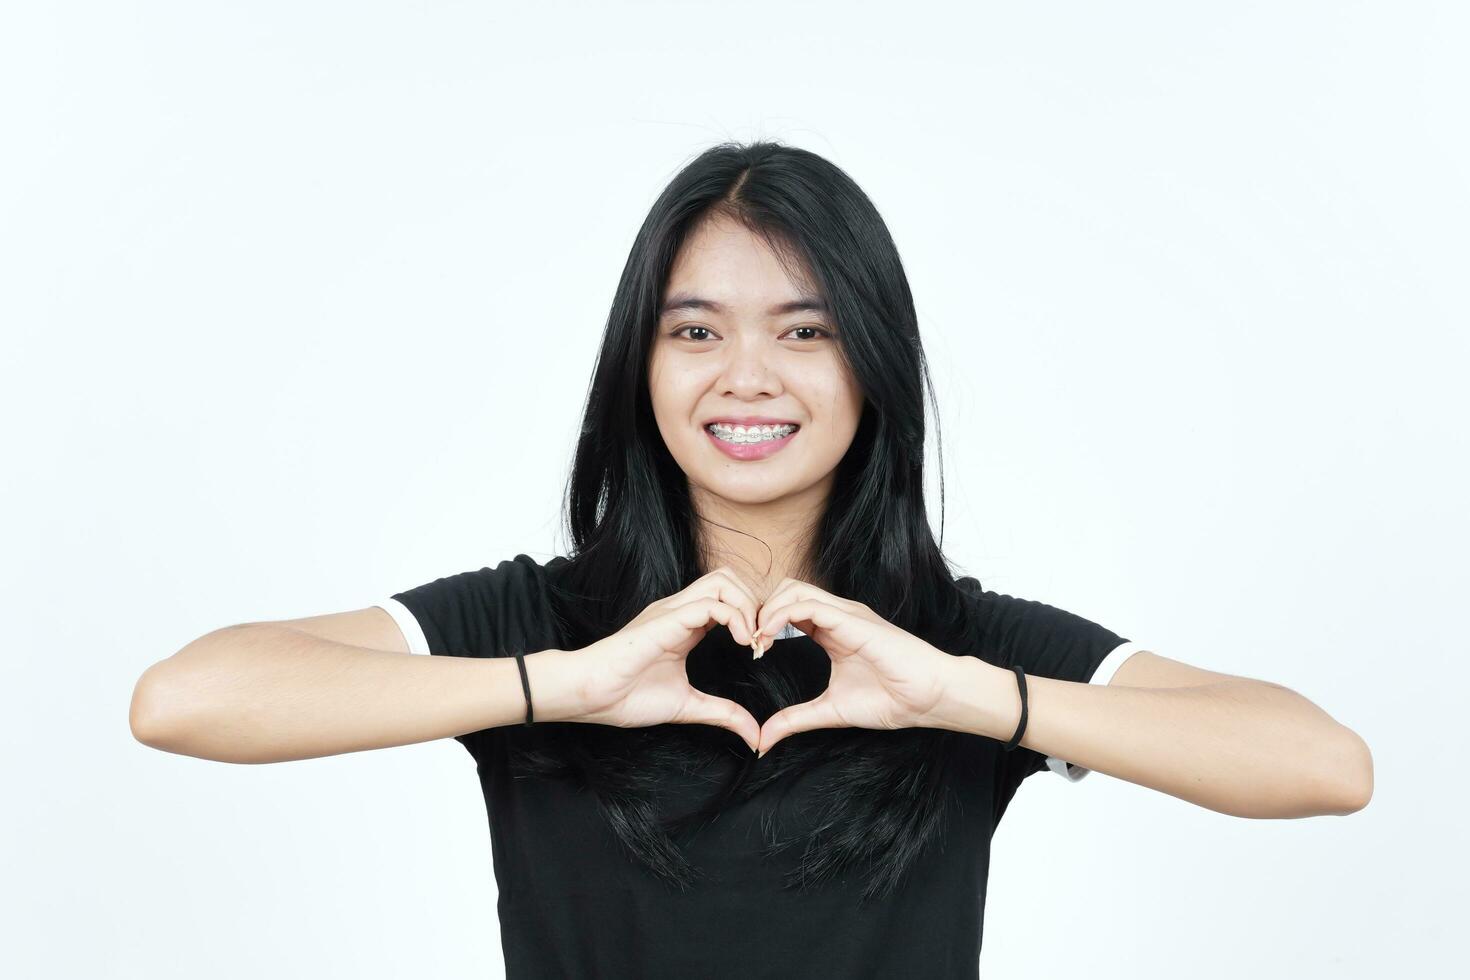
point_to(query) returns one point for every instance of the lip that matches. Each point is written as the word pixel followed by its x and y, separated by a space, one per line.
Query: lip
pixel 748 420
pixel 749 451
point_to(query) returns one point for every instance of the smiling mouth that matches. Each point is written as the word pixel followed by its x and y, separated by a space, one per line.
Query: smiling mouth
pixel 740 435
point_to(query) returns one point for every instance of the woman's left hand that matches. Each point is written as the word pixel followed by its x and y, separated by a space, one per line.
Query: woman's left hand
pixel 883 677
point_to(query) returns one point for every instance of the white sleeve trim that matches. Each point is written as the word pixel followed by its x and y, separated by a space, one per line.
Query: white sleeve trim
pixel 1103 675
pixel 407 625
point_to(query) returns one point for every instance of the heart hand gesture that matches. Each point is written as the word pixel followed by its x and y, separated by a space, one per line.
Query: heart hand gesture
pixel 636 677
pixel 883 677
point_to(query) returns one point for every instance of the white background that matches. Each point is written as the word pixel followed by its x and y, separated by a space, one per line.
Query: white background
pixel 300 302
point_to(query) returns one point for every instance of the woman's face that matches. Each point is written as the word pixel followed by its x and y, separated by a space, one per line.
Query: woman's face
pixel 737 340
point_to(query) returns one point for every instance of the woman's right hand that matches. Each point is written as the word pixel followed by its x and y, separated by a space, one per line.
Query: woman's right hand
pixel 635 678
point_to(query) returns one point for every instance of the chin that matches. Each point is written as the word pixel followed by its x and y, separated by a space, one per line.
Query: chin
pixel 757 491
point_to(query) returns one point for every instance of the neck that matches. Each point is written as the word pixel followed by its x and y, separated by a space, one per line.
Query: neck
pixel 763 542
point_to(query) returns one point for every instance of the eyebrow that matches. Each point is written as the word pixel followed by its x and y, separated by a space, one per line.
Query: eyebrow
pixel 682 302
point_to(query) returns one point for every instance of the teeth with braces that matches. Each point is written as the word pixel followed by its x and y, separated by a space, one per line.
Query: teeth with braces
pixel 740 434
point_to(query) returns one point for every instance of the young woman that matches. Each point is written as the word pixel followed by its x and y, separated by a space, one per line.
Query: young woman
pixel 752 725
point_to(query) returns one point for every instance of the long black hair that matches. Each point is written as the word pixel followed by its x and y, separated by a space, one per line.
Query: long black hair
pixel 636 536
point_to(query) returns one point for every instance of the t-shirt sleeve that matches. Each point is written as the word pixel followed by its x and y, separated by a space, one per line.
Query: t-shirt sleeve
pixel 488 612
pixel 1102 675
pixel 408 624
pixel 450 616
pixel 1047 642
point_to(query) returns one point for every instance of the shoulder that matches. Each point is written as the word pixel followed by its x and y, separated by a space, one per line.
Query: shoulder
pixel 1003 623
pixel 522 574
pixel 989 608
pixel 486 611
pixel 1001 606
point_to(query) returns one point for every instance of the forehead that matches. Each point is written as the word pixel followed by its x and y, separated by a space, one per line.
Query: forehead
pixel 724 267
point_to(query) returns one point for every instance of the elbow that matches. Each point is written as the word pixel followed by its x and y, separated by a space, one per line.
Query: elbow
pixel 149 710
pixel 171 698
pixel 144 708
pixel 1356 780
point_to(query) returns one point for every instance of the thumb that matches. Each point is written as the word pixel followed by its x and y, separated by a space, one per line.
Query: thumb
pixel 706 709
pixel 805 717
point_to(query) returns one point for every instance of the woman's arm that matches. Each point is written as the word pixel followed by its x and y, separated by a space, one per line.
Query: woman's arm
pixel 1236 745
pixel 268 692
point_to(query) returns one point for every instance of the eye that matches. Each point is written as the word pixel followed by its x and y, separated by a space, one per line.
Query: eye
pixel 710 333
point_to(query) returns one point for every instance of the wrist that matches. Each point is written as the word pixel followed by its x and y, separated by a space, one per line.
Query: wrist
pixel 980 699
pixel 555 692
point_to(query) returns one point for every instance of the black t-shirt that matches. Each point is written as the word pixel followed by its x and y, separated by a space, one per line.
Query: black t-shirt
pixel 573 904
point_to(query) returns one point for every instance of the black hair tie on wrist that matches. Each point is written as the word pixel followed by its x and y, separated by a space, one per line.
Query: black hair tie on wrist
pixel 1021 726
pixel 525 684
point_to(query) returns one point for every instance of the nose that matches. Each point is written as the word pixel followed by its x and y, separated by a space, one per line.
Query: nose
pixel 750 370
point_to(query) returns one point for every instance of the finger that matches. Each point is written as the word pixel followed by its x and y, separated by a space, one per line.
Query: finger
pixel 795 588
pixel 790 590
pixel 734 591
pixel 761 641
pixel 725 585
pixel 811 614
pixel 696 616
pixel 706 709
pixel 805 717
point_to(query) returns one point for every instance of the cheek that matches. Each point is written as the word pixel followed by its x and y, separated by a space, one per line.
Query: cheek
pixel 662 387
pixel 673 394
pixel 838 394
pixel 855 409
pixel 658 368
pixel 852 398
